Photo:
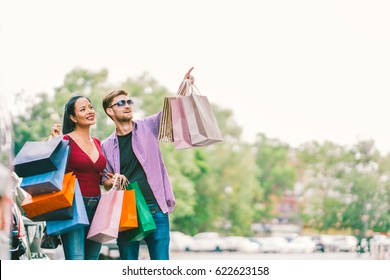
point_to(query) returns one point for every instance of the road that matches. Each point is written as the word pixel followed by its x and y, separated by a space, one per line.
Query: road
pixel 57 254
pixel 259 256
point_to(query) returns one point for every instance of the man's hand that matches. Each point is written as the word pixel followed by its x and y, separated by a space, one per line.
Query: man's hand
pixel 188 76
pixel 118 179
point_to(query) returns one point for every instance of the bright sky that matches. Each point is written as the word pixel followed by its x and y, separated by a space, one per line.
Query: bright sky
pixel 295 70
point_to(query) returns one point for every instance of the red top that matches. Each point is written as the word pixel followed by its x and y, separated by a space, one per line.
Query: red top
pixel 88 173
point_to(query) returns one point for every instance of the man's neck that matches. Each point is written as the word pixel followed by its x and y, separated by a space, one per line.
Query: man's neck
pixel 124 128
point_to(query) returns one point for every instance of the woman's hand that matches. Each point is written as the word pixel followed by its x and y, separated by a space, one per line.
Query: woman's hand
pixel 55 130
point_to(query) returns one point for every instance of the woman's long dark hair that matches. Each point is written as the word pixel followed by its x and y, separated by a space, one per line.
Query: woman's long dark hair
pixel 68 125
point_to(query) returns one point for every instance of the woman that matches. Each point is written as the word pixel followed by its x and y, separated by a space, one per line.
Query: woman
pixel 87 162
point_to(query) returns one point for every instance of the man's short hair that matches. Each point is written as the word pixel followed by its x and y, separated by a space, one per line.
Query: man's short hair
pixel 107 99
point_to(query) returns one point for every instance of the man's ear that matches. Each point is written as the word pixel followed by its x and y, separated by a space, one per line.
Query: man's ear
pixel 110 112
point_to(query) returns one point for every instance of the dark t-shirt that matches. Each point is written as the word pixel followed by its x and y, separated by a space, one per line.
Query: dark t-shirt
pixel 132 169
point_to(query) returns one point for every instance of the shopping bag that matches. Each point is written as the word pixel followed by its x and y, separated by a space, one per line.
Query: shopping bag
pixel 165 133
pixel 59 214
pixel 47 182
pixel 52 206
pixel 202 124
pixel 129 218
pixel 80 218
pixel 105 223
pixel 181 135
pixel 146 224
pixel 37 157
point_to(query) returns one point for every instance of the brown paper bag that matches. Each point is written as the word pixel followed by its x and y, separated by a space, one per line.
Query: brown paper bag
pixel 165 133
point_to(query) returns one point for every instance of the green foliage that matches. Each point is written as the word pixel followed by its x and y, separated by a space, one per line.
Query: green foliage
pixel 276 175
pixel 228 186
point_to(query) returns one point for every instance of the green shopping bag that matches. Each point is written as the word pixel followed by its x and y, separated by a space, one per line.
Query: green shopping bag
pixel 146 222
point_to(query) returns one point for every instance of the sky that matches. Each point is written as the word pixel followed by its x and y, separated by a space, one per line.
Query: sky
pixel 294 70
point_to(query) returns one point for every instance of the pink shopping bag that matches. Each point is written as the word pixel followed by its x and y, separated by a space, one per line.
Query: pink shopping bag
pixel 181 135
pixel 202 124
pixel 105 223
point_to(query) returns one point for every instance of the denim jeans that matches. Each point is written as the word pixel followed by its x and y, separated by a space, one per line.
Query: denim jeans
pixel 75 243
pixel 157 241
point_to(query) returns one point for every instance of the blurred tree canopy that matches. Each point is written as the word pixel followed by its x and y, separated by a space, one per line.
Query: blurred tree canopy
pixel 229 186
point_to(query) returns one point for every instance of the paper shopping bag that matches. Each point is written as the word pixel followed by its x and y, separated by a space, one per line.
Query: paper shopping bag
pixel 181 135
pixel 165 133
pixel 129 218
pixel 52 206
pixel 105 223
pixel 37 157
pixel 202 124
pixel 146 224
pixel 47 182
pixel 80 218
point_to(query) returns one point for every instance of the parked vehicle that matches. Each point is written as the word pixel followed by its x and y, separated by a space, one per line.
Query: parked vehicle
pixel 180 241
pixel 271 244
pixel 241 244
pixel 208 241
pixel 343 243
pixel 301 244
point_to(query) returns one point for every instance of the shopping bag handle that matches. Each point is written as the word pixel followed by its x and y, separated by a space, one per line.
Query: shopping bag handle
pixel 123 182
pixel 187 88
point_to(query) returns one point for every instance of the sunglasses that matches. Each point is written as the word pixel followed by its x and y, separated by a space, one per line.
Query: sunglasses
pixel 121 103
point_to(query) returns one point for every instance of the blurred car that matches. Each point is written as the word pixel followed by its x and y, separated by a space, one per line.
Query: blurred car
pixel 271 244
pixel 180 241
pixel 323 242
pixel 208 241
pixel 241 244
pixel 301 244
pixel 343 243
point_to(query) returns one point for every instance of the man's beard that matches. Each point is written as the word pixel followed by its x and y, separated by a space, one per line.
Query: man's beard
pixel 126 118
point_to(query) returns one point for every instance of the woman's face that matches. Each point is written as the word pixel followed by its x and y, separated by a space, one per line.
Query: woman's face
pixel 84 113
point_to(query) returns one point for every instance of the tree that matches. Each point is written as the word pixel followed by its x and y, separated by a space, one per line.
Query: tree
pixel 276 175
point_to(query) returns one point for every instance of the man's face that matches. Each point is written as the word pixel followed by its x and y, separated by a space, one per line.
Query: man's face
pixel 122 108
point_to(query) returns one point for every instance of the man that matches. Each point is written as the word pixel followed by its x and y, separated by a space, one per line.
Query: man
pixel 133 151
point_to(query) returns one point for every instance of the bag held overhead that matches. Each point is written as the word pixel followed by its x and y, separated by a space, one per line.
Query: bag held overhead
pixel 201 121
pixel 165 132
